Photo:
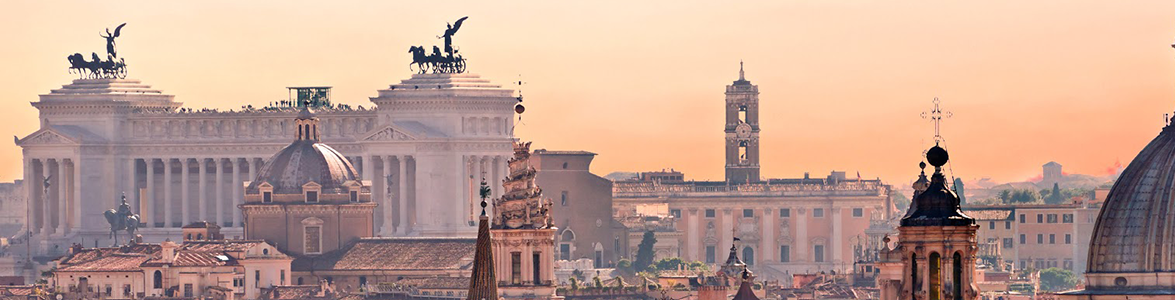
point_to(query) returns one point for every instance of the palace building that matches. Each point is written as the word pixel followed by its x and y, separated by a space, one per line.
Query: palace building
pixel 419 147
pixel 787 226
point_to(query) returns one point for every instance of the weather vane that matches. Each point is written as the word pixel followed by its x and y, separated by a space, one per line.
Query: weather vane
pixel 936 115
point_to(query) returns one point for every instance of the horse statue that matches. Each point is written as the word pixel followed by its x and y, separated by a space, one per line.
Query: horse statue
pixel 122 218
pixel 418 58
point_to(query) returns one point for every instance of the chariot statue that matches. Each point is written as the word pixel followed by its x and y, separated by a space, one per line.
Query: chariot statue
pixel 447 61
pixel 112 67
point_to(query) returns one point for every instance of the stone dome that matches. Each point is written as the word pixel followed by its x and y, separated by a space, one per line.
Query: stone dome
pixel 303 161
pixel 1134 233
pixel 937 205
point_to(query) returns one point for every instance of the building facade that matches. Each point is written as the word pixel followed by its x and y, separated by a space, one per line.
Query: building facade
pixel 420 145
pixel 787 226
pixel 1037 236
pixel 582 207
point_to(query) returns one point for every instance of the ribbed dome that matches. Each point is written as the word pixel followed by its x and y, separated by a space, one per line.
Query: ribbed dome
pixel 304 161
pixel 937 205
pixel 1134 231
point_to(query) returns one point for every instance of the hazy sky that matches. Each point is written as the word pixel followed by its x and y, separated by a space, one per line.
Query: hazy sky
pixel 1084 83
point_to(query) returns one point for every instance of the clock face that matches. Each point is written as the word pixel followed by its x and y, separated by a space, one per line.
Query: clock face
pixel 743 130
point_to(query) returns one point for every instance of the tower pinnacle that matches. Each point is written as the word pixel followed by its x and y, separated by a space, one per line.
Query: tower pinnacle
pixel 741 75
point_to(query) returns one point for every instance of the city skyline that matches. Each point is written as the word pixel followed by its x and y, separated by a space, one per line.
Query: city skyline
pixel 842 85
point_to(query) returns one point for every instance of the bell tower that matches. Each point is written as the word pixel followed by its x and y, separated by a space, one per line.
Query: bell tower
pixel 742 130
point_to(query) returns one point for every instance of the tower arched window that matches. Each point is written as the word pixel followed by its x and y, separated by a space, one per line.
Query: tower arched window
pixel 957 276
pixel 742 151
pixel 935 276
pixel 742 113
pixel 917 285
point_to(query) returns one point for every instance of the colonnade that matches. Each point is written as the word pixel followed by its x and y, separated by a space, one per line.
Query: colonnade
pixel 53 195
pixel 176 191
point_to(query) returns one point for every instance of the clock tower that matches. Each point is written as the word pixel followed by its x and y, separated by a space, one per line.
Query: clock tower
pixel 742 130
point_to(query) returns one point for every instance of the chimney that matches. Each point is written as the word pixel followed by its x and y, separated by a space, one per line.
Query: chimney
pixel 168 250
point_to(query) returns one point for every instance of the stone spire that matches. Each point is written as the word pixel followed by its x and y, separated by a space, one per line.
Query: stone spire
pixel 522 204
pixel 733 264
pixel 483 285
pixel 741 76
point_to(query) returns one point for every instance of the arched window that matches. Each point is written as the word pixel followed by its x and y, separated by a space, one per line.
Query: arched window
pixel 957 276
pixel 935 276
pixel 914 277
pixel 158 280
pixel 565 165
pixel 749 255
pixel 199 236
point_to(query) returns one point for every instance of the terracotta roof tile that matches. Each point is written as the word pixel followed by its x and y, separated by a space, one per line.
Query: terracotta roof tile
pixel 394 254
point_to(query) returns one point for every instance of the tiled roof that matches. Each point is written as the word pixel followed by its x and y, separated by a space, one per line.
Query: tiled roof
pixel 291 292
pixel 394 254
pixel 434 282
pixel 218 246
pixel 120 259
pixel 202 259
pixel 17 290
pixel 990 214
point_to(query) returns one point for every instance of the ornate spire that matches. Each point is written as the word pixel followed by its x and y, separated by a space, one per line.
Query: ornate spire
pixel 522 204
pixel 937 205
pixel 483 285
pixel 745 292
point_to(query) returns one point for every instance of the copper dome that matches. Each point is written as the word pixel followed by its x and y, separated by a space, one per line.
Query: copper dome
pixel 1134 232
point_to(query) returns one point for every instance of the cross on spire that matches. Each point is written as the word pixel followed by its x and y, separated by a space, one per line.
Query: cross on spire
pixel 936 115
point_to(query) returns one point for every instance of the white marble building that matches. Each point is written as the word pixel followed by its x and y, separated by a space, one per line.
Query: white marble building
pixel 421 146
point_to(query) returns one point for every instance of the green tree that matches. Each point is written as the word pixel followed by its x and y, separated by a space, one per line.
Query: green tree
pixel 958 185
pixel 644 252
pixel 1006 196
pixel 671 263
pixel 1057 279
pixel 1055 196
pixel 624 266
pixel 901 201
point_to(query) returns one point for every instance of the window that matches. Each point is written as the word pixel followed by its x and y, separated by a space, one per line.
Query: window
pixel 157 280
pixel 991 225
pixel 1040 238
pixel 599 263
pixel 784 212
pixel 784 253
pixel 709 254
pixel 1021 218
pixel 1052 238
pixel 1069 264
pixel 1052 218
pixel 564 165
pixel 748 213
pixel 1008 243
pixel 818 252
pixel 354 196
pixel 313 239
pixel 311 196
pixel 536 264
pixel 742 113
pixel 362 280
pixel 749 256
pixel 709 213
pixel 817 212
pixel 299 280
pixel 742 151
pixel 676 213
pixel 1067 218
pixel 1039 218
pixel 565 251
pixel 1068 238
pixel 516 268
pixel 1007 224
pixel 283 278
pixel 256 278
pixel 563 198
pixel 188 290
pixel 858 212
pixel 266 197
pixel 1023 239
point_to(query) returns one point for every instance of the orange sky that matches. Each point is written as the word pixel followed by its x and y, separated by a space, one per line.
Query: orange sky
pixel 1084 83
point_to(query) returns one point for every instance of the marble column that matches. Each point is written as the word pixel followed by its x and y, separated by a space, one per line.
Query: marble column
pixel 769 249
pixel 252 162
pixel 131 189
pixel 46 208
pixel 185 181
pixel 692 236
pixel 219 191
pixel 76 195
pixel 238 192
pixel 30 223
pixel 496 178
pixel 402 227
pixel 202 184
pixel 167 207
pixel 386 203
pixel 62 196
pixel 148 201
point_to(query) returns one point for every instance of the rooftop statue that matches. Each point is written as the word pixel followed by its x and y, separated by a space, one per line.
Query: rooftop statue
pixel 98 68
pixel 439 62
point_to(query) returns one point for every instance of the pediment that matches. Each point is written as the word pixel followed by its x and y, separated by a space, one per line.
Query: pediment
pixel 46 136
pixel 389 133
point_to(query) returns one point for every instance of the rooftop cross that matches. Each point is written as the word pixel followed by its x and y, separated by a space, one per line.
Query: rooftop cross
pixel 936 115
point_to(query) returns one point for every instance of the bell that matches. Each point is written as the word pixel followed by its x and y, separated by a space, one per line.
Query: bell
pixel 519 108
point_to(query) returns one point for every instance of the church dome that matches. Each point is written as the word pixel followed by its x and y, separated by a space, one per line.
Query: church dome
pixel 937 205
pixel 303 161
pixel 1134 232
